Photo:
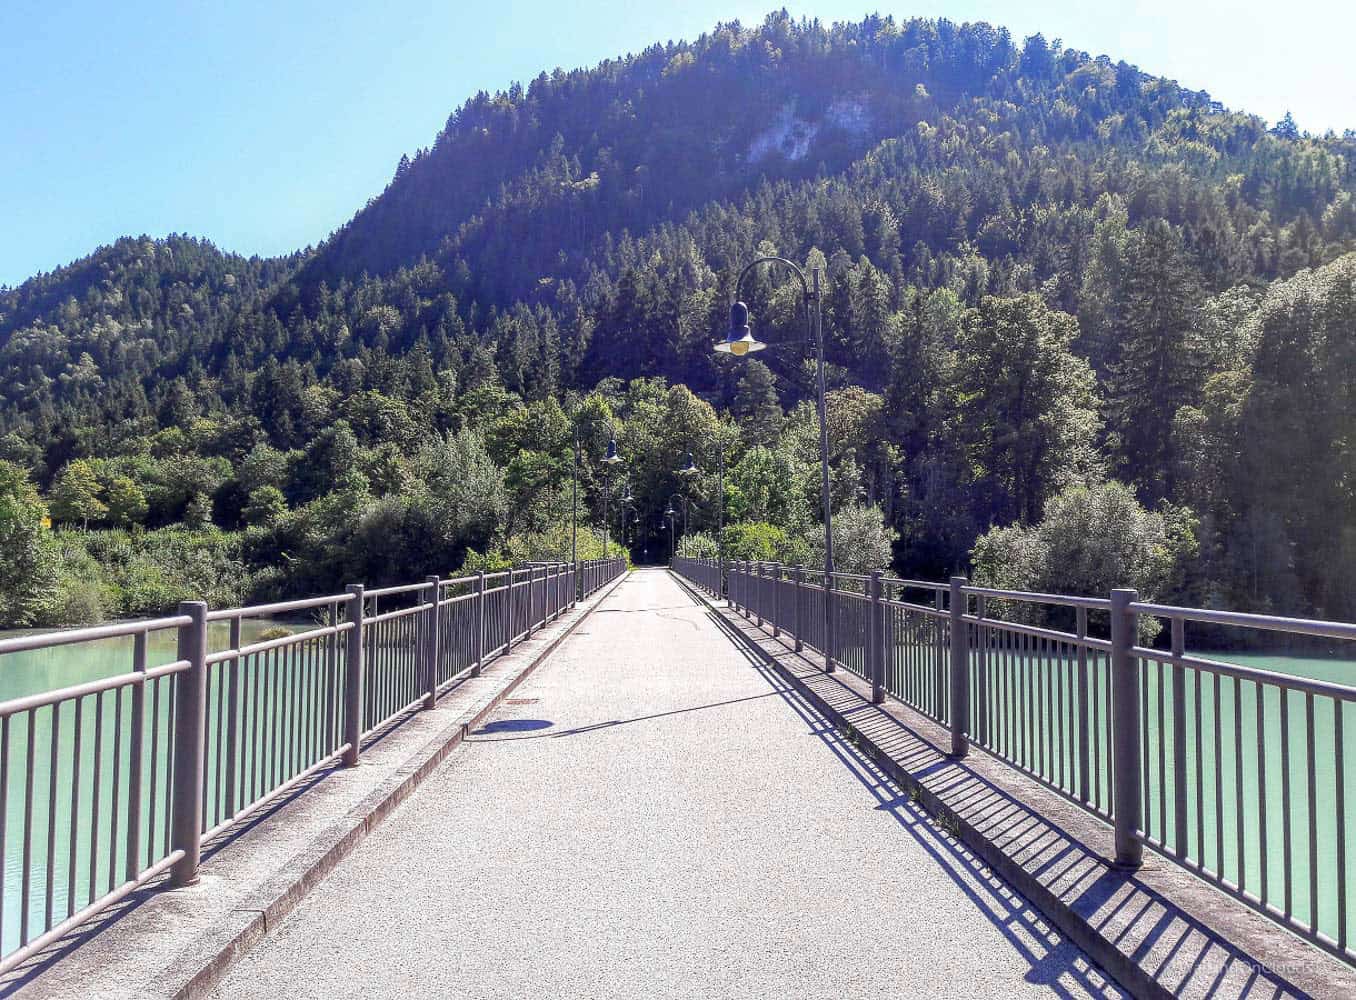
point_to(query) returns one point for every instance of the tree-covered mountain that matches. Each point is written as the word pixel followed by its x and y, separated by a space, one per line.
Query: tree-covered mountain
pixel 1046 272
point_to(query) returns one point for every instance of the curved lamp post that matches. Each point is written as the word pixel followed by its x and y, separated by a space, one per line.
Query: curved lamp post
pixel 610 458
pixel 740 341
pixel 671 514
pixel 689 471
pixel 625 503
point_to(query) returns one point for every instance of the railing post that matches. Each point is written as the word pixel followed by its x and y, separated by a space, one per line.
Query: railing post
pixel 799 612
pixel 479 637
pixel 829 626
pixel 232 681
pixel 875 645
pixel 759 585
pixel 982 633
pixel 190 711
pixel 1179 740
pixel 1084 719
pixel 1128 805
pixel 431 644
pixel 776 599
pixel 531 599
pixel 353 676
pixel 136 752
pixel 960 669
pixel 509 603
pixel 887 634
pixel 938 650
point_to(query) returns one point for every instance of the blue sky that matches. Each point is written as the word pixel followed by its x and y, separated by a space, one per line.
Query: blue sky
pixel 264 125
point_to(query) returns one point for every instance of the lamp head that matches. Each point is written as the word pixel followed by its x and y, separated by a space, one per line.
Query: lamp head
pixel 689 467
pixel 740 339
pixel 612 458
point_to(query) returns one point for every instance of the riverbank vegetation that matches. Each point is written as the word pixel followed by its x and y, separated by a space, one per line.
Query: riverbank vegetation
pixel 1084 327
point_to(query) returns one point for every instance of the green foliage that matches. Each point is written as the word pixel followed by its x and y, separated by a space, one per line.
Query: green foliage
pixel 75 495
pixel 266 507
pixel 125 501
pixel 119 574
pixel 1090 541
pixel 862 541
pixel 759 541
pixel 1025 405
pixel 699 545
pixel 549 264
pixel 27 564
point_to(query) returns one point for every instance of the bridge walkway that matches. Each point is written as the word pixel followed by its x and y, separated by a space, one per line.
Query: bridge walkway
pixel 655 814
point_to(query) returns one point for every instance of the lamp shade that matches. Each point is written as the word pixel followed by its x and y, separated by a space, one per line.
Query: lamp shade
pixel 740 339
pixel 689 467
pixel 612 458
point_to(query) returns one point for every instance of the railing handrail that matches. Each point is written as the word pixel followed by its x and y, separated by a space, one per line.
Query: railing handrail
pixel 92 633
pixel 280 607
pixel 1031 597
pixel 1242 619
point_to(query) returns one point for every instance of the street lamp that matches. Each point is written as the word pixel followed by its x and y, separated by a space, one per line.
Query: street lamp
pixel 610 458
pixel 740 341
pixel 628 501
pixel 671 514
pixel 690 470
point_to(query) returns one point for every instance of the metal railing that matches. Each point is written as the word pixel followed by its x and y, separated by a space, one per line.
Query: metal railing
pixel 1236 773
pixel 107 784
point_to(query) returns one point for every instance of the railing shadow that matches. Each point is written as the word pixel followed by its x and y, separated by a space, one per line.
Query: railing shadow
pixel 1050 957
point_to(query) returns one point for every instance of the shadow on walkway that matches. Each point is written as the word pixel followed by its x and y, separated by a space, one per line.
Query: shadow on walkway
pixel 1051 958
pixel 1139 913
pixel 483 734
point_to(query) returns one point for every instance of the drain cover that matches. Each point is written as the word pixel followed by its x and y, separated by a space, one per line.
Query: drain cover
pixel 521 701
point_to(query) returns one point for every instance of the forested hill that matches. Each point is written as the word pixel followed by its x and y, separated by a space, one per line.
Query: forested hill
pixel 1045 269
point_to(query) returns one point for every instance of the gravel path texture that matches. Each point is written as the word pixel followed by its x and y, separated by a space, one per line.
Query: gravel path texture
pixel 653 814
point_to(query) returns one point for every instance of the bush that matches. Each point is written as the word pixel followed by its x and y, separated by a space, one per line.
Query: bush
pixel 758 541
pixel 27 556
pixel 699 545
pixel 76 602
pixel 862 542
pixel 122 574
pixel 1090 540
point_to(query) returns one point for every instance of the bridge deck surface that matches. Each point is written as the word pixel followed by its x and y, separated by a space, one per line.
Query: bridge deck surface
pixel 654 814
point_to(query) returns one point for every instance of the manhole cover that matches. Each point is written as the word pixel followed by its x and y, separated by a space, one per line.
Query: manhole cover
pixel 521 701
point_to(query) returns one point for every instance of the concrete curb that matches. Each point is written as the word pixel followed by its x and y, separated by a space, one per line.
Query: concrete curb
pixel 267 906
pixel 1234 935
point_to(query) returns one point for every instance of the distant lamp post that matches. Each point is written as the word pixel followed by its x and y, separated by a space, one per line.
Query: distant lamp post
pixel 688 471
pixel 672 515
pixel 740 341
pixel 626 502
pixel 610 458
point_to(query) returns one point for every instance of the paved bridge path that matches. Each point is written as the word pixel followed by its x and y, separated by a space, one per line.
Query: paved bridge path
pixel 655 814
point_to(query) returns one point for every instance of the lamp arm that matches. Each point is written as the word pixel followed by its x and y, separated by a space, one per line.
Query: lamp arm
pixel 798 271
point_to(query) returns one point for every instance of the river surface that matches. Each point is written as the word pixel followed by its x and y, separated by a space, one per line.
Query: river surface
pixel 44 741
